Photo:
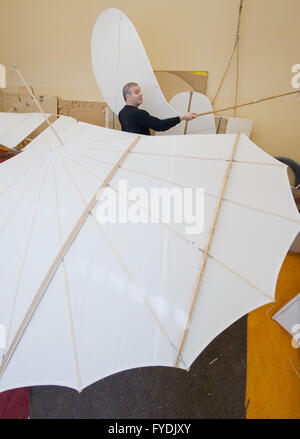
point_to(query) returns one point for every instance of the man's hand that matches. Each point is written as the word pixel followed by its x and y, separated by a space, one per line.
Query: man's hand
pixel 188 116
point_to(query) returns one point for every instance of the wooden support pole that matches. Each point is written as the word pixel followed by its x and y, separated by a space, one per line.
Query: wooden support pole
pixel 188 110
pixel 38 105
pixel 205 254
pixel 248 103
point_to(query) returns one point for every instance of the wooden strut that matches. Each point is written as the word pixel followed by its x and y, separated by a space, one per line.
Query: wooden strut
pixel 38 296
pixel 188 110
pixel 205 254
pixel 248 103
pixel 38 105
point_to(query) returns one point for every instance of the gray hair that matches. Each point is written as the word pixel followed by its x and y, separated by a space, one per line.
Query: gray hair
pixel 127 87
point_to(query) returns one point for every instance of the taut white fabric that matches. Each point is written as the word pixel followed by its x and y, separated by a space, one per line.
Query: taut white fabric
pixel 122 293
pixel 118 57
pixel 289 317
pixel 199 104
pixel 16 127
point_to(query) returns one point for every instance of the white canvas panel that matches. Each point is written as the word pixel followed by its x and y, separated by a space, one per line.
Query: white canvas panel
pixel 84 132
pixel 71 204
pixel 104 302
pixel 45 352
pixel 118 57
pixel 12 186
pixel 38 251
pixel 17 166
pixel 94 146
pixel 199 104
pixel 206 174
pixel 276 197
pixel 198 215
pixel 15 225
pixel 166 288
pixel 94 160
pixel 95 170
pixel 14 128
pixel 9 121
pixel 289 317
pixel 63 126
pixel 246 236
pixel 248 151
pixel 204 147
pixel 8 178
pixel 217 308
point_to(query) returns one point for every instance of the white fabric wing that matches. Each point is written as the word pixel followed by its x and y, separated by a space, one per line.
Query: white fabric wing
pixel 15 127
pixel 121 295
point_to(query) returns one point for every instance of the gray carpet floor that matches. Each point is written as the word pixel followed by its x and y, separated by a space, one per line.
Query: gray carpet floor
pixel 214 388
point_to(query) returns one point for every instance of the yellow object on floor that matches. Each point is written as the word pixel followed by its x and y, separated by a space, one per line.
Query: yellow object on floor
pixel 273 364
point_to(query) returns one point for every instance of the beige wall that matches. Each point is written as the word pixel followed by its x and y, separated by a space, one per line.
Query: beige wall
pixel 50 42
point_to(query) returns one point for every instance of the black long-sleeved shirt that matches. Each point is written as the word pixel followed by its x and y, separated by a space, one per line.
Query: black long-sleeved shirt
pixel 134 120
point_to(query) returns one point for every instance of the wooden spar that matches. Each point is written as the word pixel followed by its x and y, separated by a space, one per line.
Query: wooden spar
pixel 38 296
pixel 205 254
pixel 188 110
pixel 38 105
pixel 248 103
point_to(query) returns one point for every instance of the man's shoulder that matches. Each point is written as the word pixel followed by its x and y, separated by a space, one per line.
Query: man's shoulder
pixel 122 110
pixel 140 113
pixel 130 109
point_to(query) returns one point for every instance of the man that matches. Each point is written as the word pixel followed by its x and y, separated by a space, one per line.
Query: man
pixel 138 121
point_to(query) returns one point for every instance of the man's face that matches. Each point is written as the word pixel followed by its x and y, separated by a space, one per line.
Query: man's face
pixel 134 97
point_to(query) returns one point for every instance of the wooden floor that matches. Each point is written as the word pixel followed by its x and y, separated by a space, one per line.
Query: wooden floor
pixel 273 364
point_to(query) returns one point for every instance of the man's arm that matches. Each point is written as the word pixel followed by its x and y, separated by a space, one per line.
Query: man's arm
pixel 148 121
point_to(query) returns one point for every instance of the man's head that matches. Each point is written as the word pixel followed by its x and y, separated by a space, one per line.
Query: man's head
pixel 132 94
